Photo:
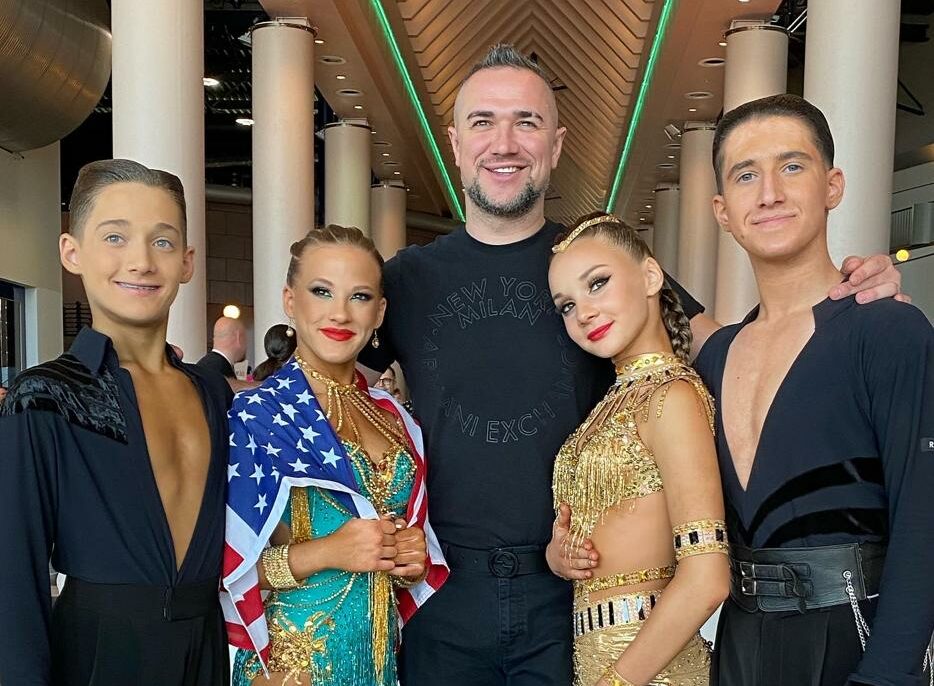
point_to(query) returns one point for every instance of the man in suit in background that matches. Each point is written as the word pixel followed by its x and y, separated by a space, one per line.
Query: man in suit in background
pixel 229 347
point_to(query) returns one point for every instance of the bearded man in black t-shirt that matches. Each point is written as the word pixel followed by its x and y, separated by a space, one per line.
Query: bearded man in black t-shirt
pixel 498 386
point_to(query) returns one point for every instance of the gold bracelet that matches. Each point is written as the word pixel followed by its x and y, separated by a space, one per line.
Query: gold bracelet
pixel 405 582
pixel 614 678
pixel 276 565
pixel 700 537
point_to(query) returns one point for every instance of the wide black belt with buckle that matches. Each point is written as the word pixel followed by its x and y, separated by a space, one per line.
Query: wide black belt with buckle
pixel 504 563
pixel 148 603
pixel 783 579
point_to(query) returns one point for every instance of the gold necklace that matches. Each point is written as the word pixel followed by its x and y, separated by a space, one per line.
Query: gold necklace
pixel 341 398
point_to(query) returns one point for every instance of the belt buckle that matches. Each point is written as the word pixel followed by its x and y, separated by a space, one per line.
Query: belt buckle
pixel 167 600
pixel 747 586
pixel 503 564
pixel 747 570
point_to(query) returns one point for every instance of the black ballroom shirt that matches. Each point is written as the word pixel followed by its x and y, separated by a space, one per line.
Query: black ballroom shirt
pixel 846 454
pixel 76 486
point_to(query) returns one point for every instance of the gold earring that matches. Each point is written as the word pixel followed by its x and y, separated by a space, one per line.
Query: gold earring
pixel 375 340
pixel 290 331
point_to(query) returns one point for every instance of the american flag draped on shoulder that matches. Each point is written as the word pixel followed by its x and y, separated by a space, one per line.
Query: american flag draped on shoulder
pixel 280 438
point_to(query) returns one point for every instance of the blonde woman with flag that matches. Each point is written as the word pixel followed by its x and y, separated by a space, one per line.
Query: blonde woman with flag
pixel 326 505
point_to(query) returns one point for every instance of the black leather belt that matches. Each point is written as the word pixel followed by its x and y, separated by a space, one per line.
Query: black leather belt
pixel 149 603
pixel 504 563
pixel 783 579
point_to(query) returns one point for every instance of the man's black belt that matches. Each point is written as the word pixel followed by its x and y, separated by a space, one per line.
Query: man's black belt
pixel 504 563
pixel 149 603
pixel 783 579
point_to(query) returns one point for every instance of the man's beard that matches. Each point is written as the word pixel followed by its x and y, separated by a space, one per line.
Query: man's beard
pixel 519 206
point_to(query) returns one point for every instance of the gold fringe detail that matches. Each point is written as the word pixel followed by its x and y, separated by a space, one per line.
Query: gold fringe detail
pixel 381 604
pixel 301 515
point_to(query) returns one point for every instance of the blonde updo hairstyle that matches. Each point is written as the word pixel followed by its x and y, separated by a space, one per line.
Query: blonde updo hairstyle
pixel 332 234
pixel 618 233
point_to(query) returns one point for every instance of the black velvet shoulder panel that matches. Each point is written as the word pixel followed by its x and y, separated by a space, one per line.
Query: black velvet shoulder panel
pixel 67 388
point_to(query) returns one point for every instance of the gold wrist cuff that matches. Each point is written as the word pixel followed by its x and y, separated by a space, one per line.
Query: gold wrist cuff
pixel 276 565
pixel 614 678
pixel 699 537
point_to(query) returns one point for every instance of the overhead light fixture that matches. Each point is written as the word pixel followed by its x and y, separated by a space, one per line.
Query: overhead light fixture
pixel 665 165
pixel 319 41
pixel 722 44
pixel 384 154
pixel 244 121
pixel 350 92
pixel 648 207
pixel 232 311
pixel 743 2
pixel 712 62
pixel 663 18
pixel 397 173
pixel 692 109
pixel 358 107
pixel 332 59
pixel 902 255
pixel 641 219
pixel 453 199
pixel 340 77
pixel 671 157
pixel 698 95
pixel 210 82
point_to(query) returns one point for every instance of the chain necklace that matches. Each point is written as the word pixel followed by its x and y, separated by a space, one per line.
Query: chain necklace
pixel 341 399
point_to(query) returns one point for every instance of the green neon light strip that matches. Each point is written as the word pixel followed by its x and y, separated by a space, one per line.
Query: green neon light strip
pixel 453 199
pixel 667 9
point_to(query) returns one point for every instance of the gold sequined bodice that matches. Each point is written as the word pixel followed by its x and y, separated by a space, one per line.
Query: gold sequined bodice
pixel 605 462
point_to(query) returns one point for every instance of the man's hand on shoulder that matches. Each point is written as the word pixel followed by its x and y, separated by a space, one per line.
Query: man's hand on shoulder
pixel 870 278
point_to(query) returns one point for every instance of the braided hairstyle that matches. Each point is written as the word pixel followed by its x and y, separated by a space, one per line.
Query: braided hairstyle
pixel 332 234
pixel 619 233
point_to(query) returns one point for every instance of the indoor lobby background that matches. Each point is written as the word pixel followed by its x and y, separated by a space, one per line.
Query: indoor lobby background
pixel 282 114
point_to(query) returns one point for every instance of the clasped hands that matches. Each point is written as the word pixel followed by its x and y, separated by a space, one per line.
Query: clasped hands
pixel 387 544
pixel 565 560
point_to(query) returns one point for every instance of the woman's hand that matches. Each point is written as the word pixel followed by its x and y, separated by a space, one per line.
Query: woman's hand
pixel 412 551
pixel 565 561
pixel 362 545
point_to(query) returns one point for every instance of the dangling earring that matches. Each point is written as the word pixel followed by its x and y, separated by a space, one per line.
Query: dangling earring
pixel 375 340
pixel 290 331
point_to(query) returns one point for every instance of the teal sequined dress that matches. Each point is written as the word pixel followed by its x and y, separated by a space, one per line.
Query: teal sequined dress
pixel 324 627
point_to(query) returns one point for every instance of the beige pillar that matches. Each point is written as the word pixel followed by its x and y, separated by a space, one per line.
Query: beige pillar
pixel 283 161
pixel 158 120
pixel 851 71
pixel 699 232
pixel 666 227
pixel 756 66
pixel 387 218
pixel 347 173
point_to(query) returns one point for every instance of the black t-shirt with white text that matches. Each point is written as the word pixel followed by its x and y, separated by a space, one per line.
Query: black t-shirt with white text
pixel 496 382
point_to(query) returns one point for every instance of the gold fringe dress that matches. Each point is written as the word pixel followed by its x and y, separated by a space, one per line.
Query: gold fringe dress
pixel 601 466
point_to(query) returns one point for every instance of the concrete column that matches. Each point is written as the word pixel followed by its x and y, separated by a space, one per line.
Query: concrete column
pixel 666 227
pixel 756 67
pixel 283 161
pixel 851 71
pixel 347 173
pixel 699 233
pixel 387 218
pixel 158 120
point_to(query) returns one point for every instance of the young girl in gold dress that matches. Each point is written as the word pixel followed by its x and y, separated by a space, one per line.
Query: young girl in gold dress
pixel 637 492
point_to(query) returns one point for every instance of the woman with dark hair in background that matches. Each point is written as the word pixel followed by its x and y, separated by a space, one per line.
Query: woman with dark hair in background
pixel 279 346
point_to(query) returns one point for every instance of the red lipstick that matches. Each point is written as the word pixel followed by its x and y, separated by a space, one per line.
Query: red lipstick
pixel 599 332
pixel 338 334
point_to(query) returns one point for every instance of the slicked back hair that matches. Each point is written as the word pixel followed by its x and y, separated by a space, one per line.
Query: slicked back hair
pixel 785 105
pixel 505 55
pixel 96 176
pixel 332 234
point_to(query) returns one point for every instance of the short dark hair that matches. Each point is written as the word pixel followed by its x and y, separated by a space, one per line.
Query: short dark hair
pixel 505 55
pixel 785 105
pixel 96 176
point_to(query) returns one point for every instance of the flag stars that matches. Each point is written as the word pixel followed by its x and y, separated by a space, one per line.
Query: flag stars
pixel 299 466
pixel 258 473
pixel 255 399
pixel 277 419
pixel 285 383
pixel 301 446
pixel 319 417
pixel 309 434
pixel 232 471
pixel 270 450
pixel 245 416
pixel 251 446
pixel 290 411
pixel 331 457
pixel 261 503
pixel 303 398
pixel 231 443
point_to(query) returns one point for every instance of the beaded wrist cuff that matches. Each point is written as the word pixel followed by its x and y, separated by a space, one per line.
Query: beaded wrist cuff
pixel 276 565
pixel 699 537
